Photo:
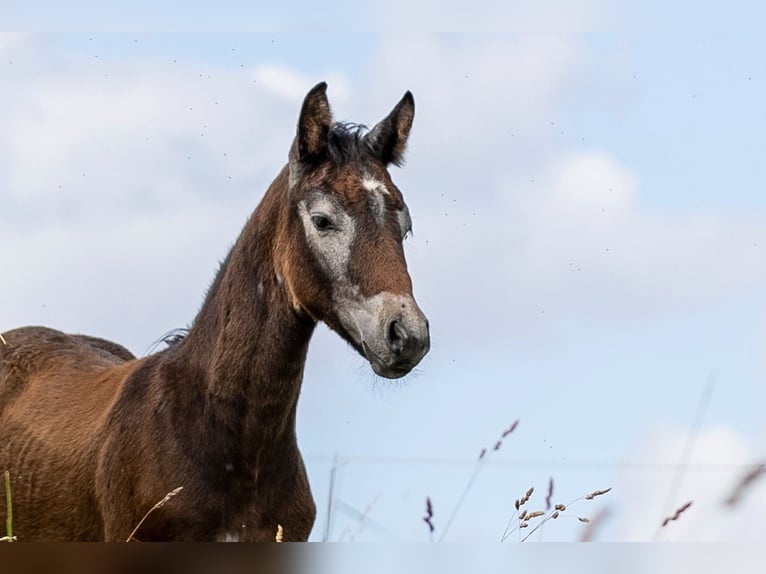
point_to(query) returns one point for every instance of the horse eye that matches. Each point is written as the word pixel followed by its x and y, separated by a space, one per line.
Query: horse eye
pixel 321 222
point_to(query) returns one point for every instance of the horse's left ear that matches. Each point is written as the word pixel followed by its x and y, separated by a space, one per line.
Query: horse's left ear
pixel 388 139
pixel 313 125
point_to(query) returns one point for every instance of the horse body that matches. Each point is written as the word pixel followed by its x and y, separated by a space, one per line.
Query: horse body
pixel 94 437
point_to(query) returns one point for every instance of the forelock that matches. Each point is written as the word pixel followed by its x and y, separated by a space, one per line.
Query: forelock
pixel 346 144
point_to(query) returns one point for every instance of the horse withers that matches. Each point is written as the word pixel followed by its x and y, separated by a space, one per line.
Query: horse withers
pixel 94 438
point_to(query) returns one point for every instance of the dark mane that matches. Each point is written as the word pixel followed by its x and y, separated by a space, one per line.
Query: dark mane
pixel 346 143
pixel 169 338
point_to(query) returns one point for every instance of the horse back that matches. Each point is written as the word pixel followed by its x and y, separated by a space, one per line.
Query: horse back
pixel 55 370
pixel 56 391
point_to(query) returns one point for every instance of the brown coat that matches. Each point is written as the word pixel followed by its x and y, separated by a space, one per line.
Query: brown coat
pixel 94 437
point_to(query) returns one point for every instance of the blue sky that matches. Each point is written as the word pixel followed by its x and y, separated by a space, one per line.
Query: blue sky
pixel 590 227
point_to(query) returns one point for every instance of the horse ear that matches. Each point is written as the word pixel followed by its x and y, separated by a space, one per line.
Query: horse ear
pixel 388 139
pixel 313 125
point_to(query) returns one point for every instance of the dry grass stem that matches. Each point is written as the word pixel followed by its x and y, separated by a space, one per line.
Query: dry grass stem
pixel 278 537
pixel 330 498
pixel 590 531
pixel 745 483
pixel 688 447
pixel 363 520
pixel 483 458
pixel 157 506
pixel 3 340
pixel 8 508
pixel 522 516
pixel 677 514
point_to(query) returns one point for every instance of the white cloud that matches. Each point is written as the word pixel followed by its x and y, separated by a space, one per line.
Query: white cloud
pixel 556 228
pixel 589 183
pixel 11 41
pixel 129 176
pixel 86 142
pixel 283 81
pixel 486 15
pixel 718 461
pixel 129 280
pixel 585 215
pixel 761 344
pixel 292 85
pixel 470 92
pixel 131 128
pixel 577 244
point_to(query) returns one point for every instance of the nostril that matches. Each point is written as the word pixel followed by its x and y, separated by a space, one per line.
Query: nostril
pixel 397 336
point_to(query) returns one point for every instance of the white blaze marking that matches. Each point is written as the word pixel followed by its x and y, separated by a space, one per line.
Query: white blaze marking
pixel 377 190
pixel 332 247
pixel 374 186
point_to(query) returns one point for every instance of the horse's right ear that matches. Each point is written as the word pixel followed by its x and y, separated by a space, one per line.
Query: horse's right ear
pixel 313 125
pixel 388 139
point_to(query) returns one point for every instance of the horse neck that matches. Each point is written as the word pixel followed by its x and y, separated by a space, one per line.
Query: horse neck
pixel 247 342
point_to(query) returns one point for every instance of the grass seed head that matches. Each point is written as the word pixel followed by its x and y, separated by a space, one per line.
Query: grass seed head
pixel 754 474
pixel 429 515
pixel 596 493
pixel 168 496
pixel 549 495
pixel 677 514
pixel 510 429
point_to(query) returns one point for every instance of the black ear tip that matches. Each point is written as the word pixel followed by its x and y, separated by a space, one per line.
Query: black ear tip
pixel 321 87
pixel 409 98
